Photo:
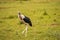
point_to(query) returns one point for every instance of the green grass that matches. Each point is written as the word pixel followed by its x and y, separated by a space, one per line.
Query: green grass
pixel 45 17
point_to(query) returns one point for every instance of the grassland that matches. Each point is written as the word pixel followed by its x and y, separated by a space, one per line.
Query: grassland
pixel 45 17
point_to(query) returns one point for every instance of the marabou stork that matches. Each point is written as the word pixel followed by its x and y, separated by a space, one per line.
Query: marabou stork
pixel 24 19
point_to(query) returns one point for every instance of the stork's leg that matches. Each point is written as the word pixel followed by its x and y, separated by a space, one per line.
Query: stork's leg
pixel 23 31
pixel 26 30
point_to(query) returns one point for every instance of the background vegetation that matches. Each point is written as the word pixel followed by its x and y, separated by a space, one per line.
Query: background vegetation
pixel 44 14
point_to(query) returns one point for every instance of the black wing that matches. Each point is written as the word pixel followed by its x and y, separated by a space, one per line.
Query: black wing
pixel 27 20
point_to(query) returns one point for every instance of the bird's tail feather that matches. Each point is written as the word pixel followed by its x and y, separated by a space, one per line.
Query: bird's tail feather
pixel 30 24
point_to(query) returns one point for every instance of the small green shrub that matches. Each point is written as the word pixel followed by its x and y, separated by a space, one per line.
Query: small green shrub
pixel 54 13
pixel 54 20
pixel 1 21
pixel 41 17
pixel 45 13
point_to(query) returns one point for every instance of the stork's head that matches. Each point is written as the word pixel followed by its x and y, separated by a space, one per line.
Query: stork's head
pixel 19 13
